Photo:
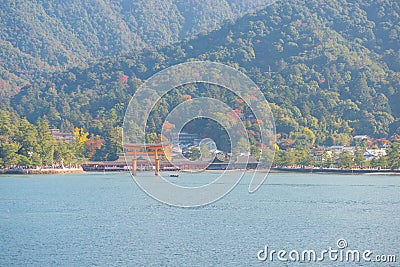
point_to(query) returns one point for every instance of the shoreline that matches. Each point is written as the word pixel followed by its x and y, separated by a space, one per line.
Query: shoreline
pixel 335 171
pixel 42 171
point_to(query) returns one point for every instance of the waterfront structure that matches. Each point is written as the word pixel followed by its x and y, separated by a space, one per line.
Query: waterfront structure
pixel 58 135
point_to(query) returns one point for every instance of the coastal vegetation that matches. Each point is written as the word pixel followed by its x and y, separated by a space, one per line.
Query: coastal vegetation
pixel 330 70
pixel 25 144
pixel 303 157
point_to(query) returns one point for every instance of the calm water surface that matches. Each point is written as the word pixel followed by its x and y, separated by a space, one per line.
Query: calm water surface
pixel 101 219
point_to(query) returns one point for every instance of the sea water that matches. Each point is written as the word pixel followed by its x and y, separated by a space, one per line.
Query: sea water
pixel 104 219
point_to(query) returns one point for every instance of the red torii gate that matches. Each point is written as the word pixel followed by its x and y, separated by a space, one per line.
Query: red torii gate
pixel 143 149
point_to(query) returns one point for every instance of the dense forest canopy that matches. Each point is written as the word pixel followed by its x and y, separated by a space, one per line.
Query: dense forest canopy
pixel 48 35
pixel 25 144
pixel 330 70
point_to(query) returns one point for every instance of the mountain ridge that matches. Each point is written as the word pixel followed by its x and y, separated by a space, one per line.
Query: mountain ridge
pixel 50 35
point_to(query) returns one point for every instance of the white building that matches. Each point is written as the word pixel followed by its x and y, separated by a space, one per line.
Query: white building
pixel 67 137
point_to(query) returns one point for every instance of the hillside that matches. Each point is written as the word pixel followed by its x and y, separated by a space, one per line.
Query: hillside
pixel 48 35
pixel 329 68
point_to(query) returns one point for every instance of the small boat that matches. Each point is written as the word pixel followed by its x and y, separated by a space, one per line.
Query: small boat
pixel 174 175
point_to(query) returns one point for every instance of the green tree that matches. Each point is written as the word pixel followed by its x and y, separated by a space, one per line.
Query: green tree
pixel 327 158
pixel 393 156
pixel 284 158
pixel 8 153
pixel 303 157
pixel 304 137
pixel 27 137
pixel 383 162
pixel 63 153
pixel 5 124
pixel 45 143
pixel 359 159
pixel 112 144
pixel 78 143
pixel 346 160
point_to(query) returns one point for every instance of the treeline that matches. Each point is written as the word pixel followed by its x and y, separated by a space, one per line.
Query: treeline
pixel 327 75
pixel 25 144
pixel 303 157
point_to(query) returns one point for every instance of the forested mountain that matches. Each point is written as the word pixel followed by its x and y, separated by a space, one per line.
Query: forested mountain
pixel 51 35
pixel 330 69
